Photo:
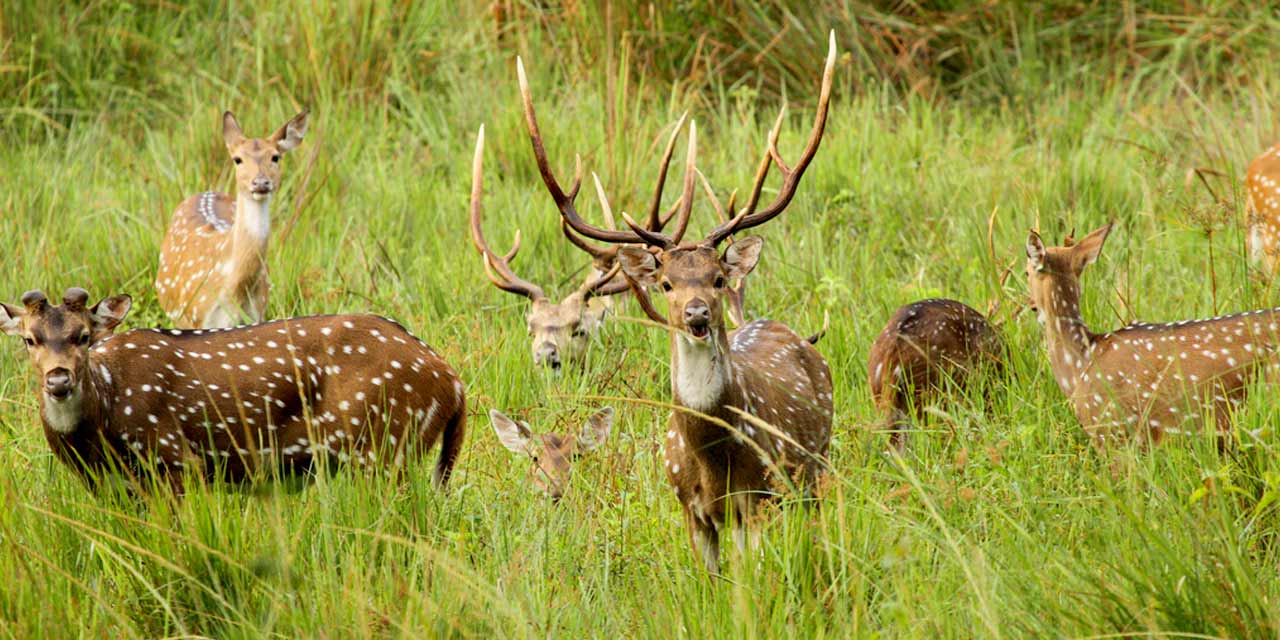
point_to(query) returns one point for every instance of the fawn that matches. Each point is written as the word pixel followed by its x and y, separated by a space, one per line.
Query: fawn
pixel 552 454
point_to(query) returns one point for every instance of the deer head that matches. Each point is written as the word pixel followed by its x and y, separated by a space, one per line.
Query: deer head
pixel 58 338
pixel 257 160
pixel 552 454
pixel 1053 273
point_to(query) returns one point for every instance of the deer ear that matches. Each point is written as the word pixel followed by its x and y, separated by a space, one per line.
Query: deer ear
pixel 741 256
pixel 596 430
pixel 513 435
pixel 11 319
pixel 290 135
pixel 1035 250
pixel 1087 250
pixel 108 313
pixel 639 265
pixel 232 135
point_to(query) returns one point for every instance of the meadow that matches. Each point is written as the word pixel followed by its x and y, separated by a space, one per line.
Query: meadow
pixel 954 129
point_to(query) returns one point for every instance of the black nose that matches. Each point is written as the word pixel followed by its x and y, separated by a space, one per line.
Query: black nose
pixel 697 314
pixel 57 383
pixel 261 185
pixel 549 355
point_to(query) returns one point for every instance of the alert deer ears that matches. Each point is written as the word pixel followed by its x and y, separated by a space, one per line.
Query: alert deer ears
pixel 290 135
pixel 596 430
pixel 1085 252
pixel 514 436
pixel 107 314
pixel 741 256
pixel 11 319
pixel 232 135
pixel 639 265
pixel 1035 251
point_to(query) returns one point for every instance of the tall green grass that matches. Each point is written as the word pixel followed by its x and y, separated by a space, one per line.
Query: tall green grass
pixel 1001 521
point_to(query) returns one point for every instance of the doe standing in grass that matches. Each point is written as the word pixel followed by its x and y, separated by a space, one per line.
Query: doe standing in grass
pixel 1146 380
pixel 356 388
pixel 213 269
pixel 768 385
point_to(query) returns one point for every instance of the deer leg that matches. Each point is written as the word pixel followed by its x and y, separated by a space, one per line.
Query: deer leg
pixel 705 540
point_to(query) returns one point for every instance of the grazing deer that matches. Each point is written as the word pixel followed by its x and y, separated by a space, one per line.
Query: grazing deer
pixel 1145 380
pixel 357 388
pixel 755 405
pixel 552 454
pixel 561 331
pixel 925 344
pixel 1262 201
pixel 213 269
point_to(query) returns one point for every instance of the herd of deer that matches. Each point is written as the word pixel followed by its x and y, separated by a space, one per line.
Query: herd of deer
pixel 754 403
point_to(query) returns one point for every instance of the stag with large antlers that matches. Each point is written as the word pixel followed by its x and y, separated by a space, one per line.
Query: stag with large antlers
pixel 560 332
pixel 1146 380
pixel 755 404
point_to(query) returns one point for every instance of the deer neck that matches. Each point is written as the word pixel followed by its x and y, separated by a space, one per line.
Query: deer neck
pixel 83 409
pixel 253 223
pixel 702 380
pixel 1068 339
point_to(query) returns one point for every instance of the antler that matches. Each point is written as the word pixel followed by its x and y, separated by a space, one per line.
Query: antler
pixel 498 269
pixel 791 175
pixel 737 293
pixel 564 202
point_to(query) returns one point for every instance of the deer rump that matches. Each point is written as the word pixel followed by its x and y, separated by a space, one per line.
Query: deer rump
pixel 356 388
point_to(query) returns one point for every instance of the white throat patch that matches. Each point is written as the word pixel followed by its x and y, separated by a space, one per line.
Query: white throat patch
pixel 254 216
pixel 701 372
pixel 63 416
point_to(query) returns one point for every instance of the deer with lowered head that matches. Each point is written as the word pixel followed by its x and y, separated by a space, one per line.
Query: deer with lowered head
pixel 213 269
pixel 551 454
pixel 222 403
pixel 924 345
pixel 1147 380
pixel 754 405
pixel 560 331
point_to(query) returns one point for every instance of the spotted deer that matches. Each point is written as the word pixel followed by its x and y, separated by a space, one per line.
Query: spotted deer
pixel 552 454
pixel 213 270
pixel 1262 202
pixel 926 345
pixel 754 406
pixel 560 331
pixel 1146 380
pixel 222 403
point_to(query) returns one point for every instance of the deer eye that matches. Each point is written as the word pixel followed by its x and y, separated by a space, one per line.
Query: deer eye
pixel 719 283
pixel 30 342
pixel 275 157
pixel 83 339
pixel 666 285
pixel 238 159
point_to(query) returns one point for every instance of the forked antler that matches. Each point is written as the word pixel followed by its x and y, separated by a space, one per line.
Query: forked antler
pixel 498 269
pixel 565 201
pixel 736 292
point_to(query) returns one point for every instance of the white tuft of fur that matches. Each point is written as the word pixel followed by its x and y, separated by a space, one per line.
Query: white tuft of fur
pixel 701 372
pixel 63 416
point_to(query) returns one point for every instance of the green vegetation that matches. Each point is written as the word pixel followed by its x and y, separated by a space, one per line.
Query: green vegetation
pixel 1001 521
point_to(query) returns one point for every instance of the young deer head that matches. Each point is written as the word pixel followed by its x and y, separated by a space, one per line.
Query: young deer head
pixel 552 454
pixel 212 263
pixel 355 388
pixel 58 340
pixel 924 345
pixel 1145 380
pixel 769 385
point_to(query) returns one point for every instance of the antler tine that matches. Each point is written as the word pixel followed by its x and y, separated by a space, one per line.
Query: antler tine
pixel 790 175
pixel 563 201
pixel 498 269
pixel 655 222
pixel 595 286
pixel 686 196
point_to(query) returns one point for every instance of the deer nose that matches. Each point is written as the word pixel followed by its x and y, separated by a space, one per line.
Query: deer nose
pixel 547 354
pixel 261 184
pixel 697 314
pixel 57 383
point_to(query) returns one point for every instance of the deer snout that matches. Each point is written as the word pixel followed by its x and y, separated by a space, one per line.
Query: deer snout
pixel 262 185
pixel 547 354
pixel 57 383
pixel 697 318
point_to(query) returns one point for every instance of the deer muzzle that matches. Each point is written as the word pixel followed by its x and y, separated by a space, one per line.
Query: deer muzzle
pixel 697 319
pixel 57 383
